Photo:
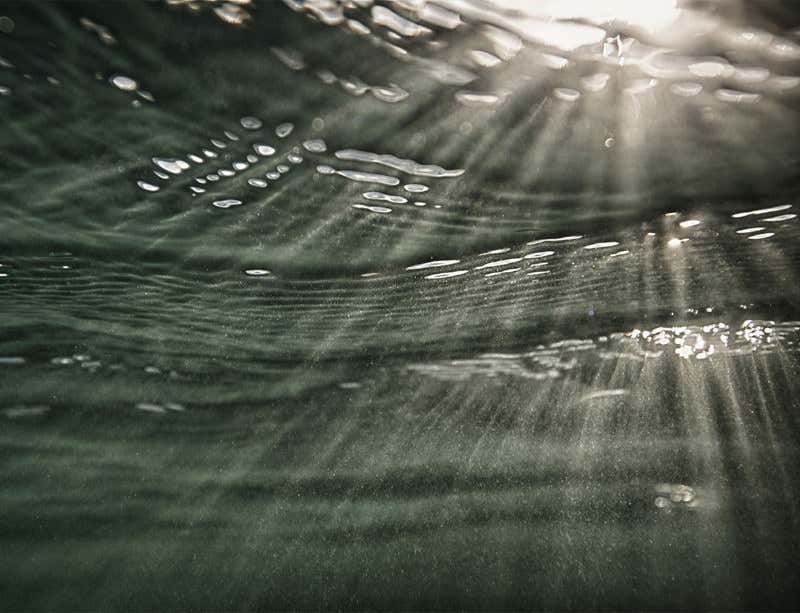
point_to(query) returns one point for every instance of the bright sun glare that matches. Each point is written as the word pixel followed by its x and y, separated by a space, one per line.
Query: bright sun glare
pixel 651 15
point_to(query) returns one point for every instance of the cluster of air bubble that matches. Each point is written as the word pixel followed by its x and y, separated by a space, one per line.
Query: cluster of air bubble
pixel 90 365
pixel 352 85
pixel 128 84
pixel 407 192
pixel 86 362
pixel 8 67
pixel 233 12
pixel 538 257
pixel 533 260
pixel 555 360
pixel 551 361
pixel 122 82
pixel 266 162
pixel 103 34
pixel 556 37
pixel 675 496
pixel 752 228
pixel 703 342
pixel 228 149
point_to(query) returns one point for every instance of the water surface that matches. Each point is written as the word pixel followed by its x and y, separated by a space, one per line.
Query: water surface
pixel 399 305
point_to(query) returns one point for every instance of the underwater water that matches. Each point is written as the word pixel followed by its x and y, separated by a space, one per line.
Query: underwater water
pixel 404 304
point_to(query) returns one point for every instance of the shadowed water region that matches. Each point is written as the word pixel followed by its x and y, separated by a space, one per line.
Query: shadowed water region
pixel 399 305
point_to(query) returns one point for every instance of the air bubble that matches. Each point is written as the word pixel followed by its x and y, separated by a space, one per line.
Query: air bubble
pixel 316 145
pixel 566 94
pixel 148 187
pixel 284 130
pixel 124 83
pixel 251 123
pixel 374 209
pixel 227 203
pixel 264 150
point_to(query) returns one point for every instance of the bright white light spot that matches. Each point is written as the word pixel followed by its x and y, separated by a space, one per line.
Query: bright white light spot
pixel 651 15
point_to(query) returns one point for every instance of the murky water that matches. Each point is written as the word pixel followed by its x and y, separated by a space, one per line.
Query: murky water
pixel 401 304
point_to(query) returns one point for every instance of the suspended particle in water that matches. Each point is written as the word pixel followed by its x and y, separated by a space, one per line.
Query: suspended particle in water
pixel 6 24
pixel 661 502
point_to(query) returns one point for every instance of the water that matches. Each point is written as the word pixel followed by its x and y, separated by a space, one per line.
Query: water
pixel 406 305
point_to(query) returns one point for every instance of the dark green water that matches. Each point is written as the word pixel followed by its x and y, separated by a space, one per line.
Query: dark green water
pixel 400 305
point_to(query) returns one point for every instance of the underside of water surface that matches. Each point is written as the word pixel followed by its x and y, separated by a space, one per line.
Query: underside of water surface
pixel 399 305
